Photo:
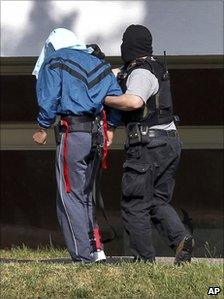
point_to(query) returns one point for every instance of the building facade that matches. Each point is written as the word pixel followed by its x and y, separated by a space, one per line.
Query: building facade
pixel 193 39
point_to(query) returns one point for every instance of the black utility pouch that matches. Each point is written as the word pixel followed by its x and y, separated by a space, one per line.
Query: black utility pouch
pixel 95 129
pixel 133 133
pixel 98 136
pixel 134 180
pixel 58 133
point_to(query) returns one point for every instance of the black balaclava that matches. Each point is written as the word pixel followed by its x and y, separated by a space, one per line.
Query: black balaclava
pixel 136 42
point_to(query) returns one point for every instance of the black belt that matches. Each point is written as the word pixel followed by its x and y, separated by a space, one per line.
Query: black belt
pixel 157 132
pixel 78 118
pixel 142 134
pixel 81 123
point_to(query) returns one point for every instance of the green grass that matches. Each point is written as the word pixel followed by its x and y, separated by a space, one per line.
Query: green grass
pixel 126 280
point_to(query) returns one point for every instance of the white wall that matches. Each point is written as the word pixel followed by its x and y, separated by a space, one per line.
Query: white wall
pixel 182 27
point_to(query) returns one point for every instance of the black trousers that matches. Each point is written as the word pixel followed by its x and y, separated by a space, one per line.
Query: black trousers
pixel 147 187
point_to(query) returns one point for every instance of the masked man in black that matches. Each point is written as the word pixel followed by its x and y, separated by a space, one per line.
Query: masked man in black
pixel 152 149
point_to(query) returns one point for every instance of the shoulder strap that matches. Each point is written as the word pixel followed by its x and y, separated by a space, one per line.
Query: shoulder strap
pixel 140 63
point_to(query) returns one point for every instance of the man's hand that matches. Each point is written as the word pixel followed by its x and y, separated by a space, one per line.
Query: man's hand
pixel 110 136
pixel 40 136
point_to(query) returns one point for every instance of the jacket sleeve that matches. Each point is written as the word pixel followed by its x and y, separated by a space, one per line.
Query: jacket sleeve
pixel 48 95
pixel 114 116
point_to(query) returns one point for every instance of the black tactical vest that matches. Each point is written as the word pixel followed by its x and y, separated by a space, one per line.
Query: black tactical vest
pixel 158 109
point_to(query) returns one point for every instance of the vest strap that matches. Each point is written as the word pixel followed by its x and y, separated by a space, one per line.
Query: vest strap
pixel 158 109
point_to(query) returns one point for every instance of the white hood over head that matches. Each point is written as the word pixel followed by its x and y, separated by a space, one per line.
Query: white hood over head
pixel 59 38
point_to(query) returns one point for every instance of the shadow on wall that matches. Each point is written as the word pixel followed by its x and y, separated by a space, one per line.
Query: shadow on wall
pixel 41 23
pixel 186 28
pixel 43 19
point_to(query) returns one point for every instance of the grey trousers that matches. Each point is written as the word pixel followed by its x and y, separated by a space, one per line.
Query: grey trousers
pixel 74 209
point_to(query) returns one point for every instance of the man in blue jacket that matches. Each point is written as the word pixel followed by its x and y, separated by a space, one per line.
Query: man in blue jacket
pixel 72 84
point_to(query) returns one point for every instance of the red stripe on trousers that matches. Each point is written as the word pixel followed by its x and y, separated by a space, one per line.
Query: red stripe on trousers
pixel 65 157
pixel 97 238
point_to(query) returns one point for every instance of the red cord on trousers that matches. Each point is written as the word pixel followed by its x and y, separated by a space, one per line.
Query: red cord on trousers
pixel 65 156
pixel 97 238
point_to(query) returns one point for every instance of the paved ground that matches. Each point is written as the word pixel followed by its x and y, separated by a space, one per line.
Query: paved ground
pixel 112 260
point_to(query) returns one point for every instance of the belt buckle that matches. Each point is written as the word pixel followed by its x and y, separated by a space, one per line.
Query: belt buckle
pixel 151 133
pixel 144 130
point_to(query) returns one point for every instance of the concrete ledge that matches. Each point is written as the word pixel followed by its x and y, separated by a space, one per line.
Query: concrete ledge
pixel 19 137
pixel 112 260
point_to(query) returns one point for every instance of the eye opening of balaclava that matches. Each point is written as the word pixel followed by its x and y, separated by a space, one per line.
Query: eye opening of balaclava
pixel 136 43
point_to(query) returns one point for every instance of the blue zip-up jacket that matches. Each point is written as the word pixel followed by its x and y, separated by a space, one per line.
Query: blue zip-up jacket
pixel 75 82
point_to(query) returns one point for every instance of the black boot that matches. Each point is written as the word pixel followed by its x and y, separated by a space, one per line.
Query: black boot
pixel 138 259
pixel 184 251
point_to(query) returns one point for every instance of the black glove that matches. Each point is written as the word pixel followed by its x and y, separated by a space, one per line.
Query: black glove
pixel 96 51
